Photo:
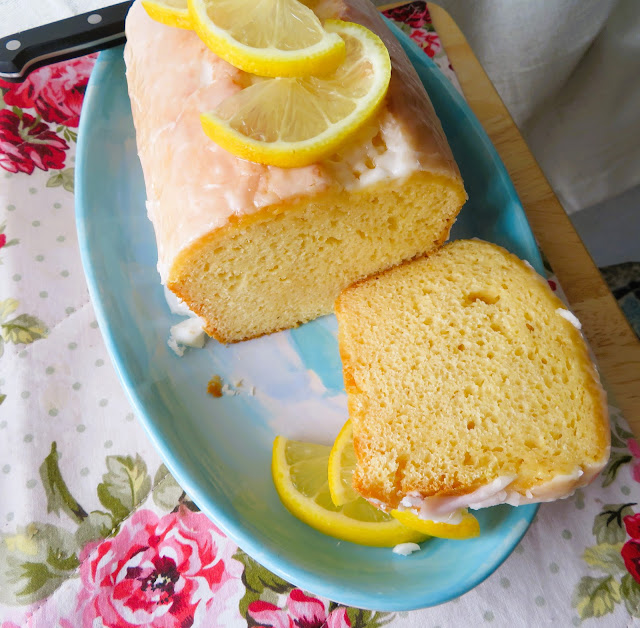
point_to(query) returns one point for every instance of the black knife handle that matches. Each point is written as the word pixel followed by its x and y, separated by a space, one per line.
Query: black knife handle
pixel 76 36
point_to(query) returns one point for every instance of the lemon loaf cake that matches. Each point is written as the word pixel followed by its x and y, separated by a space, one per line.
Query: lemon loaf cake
pixel 253 248
pixel 469 384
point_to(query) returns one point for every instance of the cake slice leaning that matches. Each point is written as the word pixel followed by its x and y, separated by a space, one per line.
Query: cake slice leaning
pixel 252 248
pixel 469 384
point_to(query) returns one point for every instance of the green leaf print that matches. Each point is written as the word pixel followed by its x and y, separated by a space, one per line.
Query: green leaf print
pixel 608 526
pixel 34 562
pixel 630 591
pixel 62 178
pixel 367 619
pixel 58 495
pixel 622 433
pixel 7 243
pixel 97 525
pixel 69 135
pixel 124 486
pixel 259 583
pixel 616 442
pixel 166 491
pixel 23 329
pixel 2 398
pixel 7 308
pixel 605 557
pixel 616 460
pixel 595 597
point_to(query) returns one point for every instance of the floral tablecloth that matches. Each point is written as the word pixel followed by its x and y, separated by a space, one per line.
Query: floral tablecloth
pixel 93 529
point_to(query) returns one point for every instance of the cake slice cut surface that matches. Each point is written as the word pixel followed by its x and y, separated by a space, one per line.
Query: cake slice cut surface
pixel 468 385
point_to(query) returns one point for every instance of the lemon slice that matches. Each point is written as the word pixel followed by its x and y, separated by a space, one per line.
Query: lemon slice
pixel 466 529
pixel 300 476
pixel 267 37
pixel 342 464
pixel 290 122
pixel 169 12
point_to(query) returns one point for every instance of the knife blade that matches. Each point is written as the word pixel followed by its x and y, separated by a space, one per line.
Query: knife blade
pixel 23 52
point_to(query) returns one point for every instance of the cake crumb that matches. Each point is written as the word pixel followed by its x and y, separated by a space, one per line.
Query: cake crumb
pixel 238 383
pixel 215 387
pixel 227 390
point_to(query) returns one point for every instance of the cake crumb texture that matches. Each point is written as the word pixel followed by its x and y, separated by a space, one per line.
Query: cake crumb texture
pixel 460 371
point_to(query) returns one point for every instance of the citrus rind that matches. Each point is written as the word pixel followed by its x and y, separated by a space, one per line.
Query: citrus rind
pixel 319 58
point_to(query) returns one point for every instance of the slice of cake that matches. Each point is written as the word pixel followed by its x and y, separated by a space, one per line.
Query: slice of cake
pixel 469 384
pixel 251 248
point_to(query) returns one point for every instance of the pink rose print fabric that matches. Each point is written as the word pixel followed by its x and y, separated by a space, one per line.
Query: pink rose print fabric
pixel 171 572
pixel 631 549
pixel 39 113
pixel 415 20
pixel 26 144
pixel 54 91
pixel 301 610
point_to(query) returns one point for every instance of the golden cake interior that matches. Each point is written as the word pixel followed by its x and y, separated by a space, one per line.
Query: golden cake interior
pixel 286 264
pixel 459 370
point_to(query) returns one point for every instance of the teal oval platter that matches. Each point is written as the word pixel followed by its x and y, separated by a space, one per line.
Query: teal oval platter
pixel 288 383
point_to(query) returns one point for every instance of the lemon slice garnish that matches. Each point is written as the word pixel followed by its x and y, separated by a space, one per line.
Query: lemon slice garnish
pixel 300 476
pixel 169 12
pixel 267 37
pixel 290 122
pixel 466 529
pixel 342 464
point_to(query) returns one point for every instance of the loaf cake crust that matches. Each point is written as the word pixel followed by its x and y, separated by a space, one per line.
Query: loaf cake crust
pixel 468 385
pixel 208 206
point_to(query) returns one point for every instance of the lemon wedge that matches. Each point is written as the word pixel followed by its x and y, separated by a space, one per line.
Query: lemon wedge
pixel 300 476
pixel 342 464
pixel 169 12
pixel 267 37
pixel 291 122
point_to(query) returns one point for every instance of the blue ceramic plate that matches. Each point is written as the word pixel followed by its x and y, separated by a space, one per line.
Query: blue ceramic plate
pixel 220 449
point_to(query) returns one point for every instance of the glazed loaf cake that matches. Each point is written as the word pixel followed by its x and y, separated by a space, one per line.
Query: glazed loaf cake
pixel 469 384
pixel 254 249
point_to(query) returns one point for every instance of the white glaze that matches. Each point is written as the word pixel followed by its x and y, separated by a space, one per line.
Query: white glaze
pixel 570 316
pixel 496 492
pixel 404 549
pixel 188 333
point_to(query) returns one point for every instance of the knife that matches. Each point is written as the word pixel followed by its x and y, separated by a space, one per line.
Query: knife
pixel 76 36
